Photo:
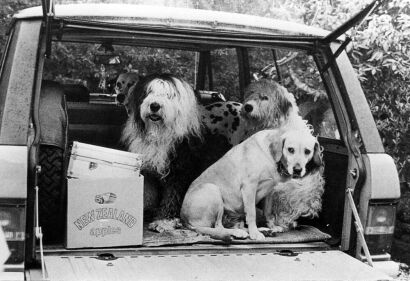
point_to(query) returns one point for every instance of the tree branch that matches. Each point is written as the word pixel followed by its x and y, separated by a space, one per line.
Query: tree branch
pixel 317 94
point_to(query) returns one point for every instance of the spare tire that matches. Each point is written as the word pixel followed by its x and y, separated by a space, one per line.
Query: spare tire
pixel 52 183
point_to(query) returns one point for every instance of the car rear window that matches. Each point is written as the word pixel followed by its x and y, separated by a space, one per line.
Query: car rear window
pixel 297 71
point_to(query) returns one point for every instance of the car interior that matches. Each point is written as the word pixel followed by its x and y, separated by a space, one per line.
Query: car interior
pixel 84 108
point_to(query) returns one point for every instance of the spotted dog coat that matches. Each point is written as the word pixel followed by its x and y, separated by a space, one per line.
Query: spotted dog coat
pixel 223 118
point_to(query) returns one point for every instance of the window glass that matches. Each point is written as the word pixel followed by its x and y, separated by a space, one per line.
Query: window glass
pixel 298 73
pixel 98 66
pixel 225 73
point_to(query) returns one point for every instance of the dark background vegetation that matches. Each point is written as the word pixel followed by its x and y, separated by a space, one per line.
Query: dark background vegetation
pixel 380 55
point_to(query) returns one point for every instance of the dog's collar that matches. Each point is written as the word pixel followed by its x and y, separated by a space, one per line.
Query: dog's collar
pixel 282 170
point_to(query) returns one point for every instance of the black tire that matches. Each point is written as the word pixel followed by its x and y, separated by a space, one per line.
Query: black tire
pixel 51 183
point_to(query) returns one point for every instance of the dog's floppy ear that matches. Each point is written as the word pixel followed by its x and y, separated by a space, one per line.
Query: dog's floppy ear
pixel 276 146
pixel 316 163
pixel 284 104
pixel 318 154
pixel 285 99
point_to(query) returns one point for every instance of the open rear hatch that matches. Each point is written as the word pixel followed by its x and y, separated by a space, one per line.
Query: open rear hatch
pixel 200 258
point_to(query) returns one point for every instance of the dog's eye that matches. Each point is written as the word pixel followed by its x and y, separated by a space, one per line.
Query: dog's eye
pixel 307 151
pixel 264 98
pixel 291 150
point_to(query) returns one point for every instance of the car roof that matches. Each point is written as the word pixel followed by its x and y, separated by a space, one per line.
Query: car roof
pixel 170 17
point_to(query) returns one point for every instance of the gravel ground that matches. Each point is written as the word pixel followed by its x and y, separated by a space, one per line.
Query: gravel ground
pixel 401 253
pixel 404 274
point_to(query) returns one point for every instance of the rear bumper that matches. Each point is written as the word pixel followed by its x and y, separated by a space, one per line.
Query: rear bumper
pixel 389 268
pixel 383 264
pixel 12 276
pixel 211 265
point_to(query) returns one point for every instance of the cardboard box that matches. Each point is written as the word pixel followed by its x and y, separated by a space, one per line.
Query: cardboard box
pixel 104 198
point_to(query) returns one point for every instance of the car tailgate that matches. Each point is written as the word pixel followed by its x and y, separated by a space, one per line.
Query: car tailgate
pixel 304 265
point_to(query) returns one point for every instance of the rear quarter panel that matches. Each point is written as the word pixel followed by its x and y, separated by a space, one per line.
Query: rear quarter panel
pixel 13 171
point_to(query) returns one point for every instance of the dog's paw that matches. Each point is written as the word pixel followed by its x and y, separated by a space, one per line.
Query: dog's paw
pixel 267 232
pixel 276 229
pixel 162 225
pixel 256 235
pixel 240 233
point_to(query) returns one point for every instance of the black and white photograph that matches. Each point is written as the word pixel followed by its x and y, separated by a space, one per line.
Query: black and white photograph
pixel 204 140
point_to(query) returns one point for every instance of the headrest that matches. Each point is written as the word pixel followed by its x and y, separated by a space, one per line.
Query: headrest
pixel 76 93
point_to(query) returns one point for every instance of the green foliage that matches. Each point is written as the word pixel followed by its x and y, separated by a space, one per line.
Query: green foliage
pixel 75 63
pixel 7 9
pixel 381 57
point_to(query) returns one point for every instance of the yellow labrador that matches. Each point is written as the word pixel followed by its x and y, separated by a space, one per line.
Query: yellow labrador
pixel 299 147
pixel 240 179
pixel 301 194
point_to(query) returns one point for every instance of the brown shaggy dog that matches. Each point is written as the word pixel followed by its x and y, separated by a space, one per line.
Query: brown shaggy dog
pixel 299 197
pixel 267 105
pixel 123 85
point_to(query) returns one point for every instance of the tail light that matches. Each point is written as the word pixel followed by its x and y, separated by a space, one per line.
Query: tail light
pixel 380 227
pixel 12 220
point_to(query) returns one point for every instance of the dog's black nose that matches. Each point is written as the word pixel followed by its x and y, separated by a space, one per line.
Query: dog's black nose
pixel 248 107
pixel 297 171
pixel 154 107
pixel 121 98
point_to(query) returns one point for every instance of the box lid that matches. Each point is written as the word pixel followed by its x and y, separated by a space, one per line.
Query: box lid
pixel 106 154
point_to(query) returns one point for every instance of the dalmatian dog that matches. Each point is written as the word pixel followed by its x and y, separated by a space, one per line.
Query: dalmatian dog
pixel 223 118
pixel 123 85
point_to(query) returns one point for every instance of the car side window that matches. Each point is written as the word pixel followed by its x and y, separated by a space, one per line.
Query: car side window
pixel 97 66
pixel 298 73
pixel 224 63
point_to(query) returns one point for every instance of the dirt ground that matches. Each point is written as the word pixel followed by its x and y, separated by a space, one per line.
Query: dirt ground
pixel 401 243
pixel 404 274
pixel 401 253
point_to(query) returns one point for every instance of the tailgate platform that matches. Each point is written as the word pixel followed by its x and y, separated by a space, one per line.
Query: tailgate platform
pixel 299 254
pixel 317 265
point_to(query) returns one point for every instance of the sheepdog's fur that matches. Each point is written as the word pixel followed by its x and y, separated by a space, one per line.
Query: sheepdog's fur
pixel 156 134
pixel 295 198
pixel 289 200
pixel 164 125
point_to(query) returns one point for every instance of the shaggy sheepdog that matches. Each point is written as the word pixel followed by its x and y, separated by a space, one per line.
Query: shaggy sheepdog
pixel 269 105
pixel 164 125
pixel 295 198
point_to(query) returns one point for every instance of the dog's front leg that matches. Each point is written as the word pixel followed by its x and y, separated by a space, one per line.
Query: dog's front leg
pixel 249 200
pixel 267 206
